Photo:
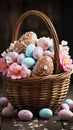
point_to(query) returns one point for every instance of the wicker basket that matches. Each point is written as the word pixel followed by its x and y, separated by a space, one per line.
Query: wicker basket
pixel 36 93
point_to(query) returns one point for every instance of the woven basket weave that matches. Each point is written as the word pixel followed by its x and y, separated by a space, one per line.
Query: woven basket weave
pixel 36 93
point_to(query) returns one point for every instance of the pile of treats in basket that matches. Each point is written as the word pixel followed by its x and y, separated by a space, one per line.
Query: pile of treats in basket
pixel 31 56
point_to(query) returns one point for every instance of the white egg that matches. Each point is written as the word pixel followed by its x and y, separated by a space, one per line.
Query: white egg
pixel 65 114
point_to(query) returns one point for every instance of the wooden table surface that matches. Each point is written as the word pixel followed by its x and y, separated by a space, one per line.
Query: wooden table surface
pixel 54 123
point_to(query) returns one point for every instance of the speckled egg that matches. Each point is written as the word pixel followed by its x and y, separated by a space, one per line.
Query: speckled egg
pixel 65 114
pixel 8 111
pixel 48 53
pixel 43 67
pixel 4 101
pixel 68 101
pixel 29 37
pixel 20 58
pixel 38 52
pixel 45 113
pixel 29 50
pixel 29 62
pixel 25 115
pixel 64 106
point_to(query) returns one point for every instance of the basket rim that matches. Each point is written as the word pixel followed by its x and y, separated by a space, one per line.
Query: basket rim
pixel 60 76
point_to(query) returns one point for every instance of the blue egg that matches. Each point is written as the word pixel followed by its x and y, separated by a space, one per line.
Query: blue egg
pixel 45 113
pixel 51 49
pixel 29 50
pixel 68 101
pixel 29 62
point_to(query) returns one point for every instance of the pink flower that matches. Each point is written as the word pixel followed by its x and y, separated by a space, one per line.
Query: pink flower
pixel 66 62
pixel 16 71
pixel 8 60
pixel 3 66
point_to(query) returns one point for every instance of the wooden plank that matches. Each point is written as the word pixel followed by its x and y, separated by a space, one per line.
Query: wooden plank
pixel 0 122
pixel 1 119
pixel 68 125
pixel 35 124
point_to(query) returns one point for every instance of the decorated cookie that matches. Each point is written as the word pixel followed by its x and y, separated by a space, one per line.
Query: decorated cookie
pixel 43 67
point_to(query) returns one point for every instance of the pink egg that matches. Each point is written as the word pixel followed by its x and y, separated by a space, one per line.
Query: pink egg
pixel 64 106
pixel 38 52
pixel 71 106
pixel 25 115
pixel 13 55
pixel 20 57
pixel 48 53
pixel 44 42
pixel 4 101
pixel 65 114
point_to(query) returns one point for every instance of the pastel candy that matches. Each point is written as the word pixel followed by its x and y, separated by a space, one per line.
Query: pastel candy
pixel 13 55
pixel 64 106
pixel 68 101
pixel 45 113
pixel 25 115
pixel 65 114
pixel 20 58
pixel 38 52
pixel 29 62
pixel 29 50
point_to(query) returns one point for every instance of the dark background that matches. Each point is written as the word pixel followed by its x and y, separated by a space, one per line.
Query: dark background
pixel 59 11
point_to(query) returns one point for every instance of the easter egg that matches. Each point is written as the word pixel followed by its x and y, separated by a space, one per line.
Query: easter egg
pixel 65 114
pixel 25 115
pixel 38 52
pixel 29 62
pixel 48 53
pixel 68 101
pixel 13 55
pixel 4 101
pixel 20 57
pixel 45 113
pixel 44 42
pixel 43 67
pixel 71 106
pixel 29 50
pixel 64 106
pixel 28 38
pixel 7 111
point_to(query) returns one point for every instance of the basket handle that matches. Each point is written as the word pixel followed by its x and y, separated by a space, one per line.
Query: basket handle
pixel 50 27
